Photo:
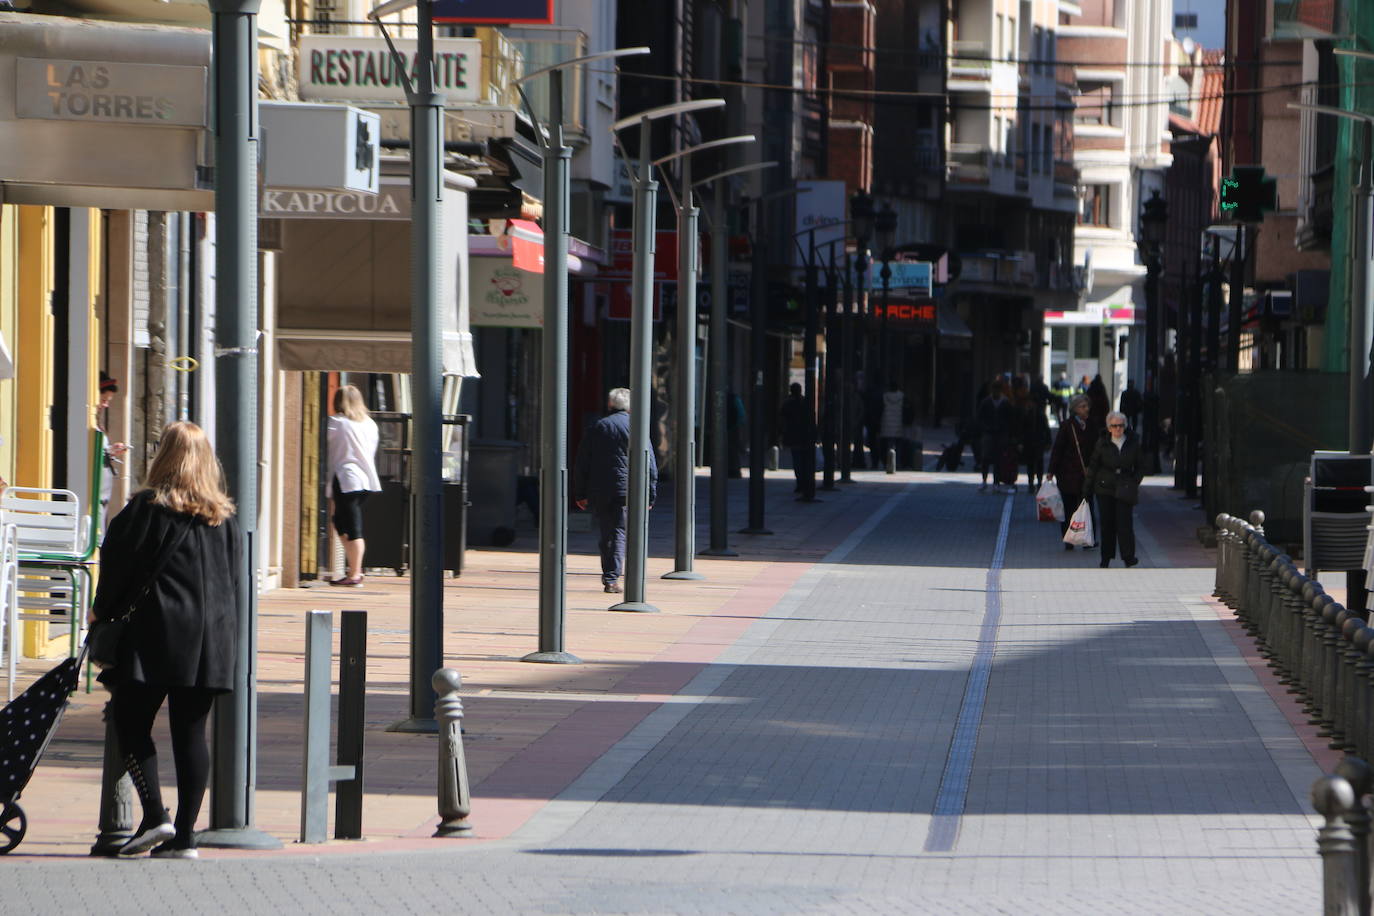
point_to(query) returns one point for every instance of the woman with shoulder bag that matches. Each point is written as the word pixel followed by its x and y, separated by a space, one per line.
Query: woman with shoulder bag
pixel 1068 466
pixel 169 586
pixel 1115 470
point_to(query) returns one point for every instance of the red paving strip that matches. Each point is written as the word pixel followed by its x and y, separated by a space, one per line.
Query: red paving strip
pixel 1317 747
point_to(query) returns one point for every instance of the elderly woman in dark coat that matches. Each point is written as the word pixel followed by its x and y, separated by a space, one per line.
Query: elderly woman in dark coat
pixel 1068 466
pixel 170 561
pixel 1115 470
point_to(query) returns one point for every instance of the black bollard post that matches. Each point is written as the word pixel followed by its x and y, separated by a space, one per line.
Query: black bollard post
pixel 116 796
pixel 1333 797
pixel 1355 771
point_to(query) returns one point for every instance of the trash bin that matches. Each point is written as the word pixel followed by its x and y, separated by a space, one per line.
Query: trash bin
pixel 1335 520
pixel 386 515
pixel 493 467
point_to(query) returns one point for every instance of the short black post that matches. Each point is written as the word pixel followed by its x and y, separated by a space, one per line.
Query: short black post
pixel 1356 772
pixel 1333 797
pixel 348 795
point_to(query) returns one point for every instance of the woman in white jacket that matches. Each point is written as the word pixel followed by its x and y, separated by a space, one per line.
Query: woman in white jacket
pixel 352 447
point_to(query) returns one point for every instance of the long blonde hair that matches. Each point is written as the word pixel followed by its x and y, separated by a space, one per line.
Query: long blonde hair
pixel 186 476
pixel 348 400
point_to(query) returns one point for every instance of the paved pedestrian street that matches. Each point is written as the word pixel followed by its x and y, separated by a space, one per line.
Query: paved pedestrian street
pixel 910 699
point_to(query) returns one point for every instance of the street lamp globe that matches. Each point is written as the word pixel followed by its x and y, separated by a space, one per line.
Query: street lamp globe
pixel 1154 215
pixel 861 216
pixel 885 226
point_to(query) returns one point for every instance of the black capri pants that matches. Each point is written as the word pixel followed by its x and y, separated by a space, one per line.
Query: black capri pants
pixel 348 512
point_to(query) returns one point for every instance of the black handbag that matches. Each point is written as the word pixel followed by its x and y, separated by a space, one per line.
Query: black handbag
pixel 104 637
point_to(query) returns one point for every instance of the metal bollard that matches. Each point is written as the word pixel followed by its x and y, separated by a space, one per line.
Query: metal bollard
pixel 455 803
pixel 1359 685
pixel 1333 797
pixel 1355 771
pixel 774 459
pixel 1223 557
pixel 116 796
pixel 1312 628
pixel 316 773
pixel 891 461
pixel 1348 658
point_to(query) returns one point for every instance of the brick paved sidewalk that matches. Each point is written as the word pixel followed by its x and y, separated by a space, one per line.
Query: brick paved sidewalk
pixel 516 758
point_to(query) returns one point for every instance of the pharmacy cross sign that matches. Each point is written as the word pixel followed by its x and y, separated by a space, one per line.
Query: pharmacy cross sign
pixel 1248 194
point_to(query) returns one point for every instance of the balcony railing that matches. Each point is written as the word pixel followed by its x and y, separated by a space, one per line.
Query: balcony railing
pixel 969 162
pixel 971 59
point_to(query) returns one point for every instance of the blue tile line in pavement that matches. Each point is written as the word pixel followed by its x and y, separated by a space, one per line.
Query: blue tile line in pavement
pixel 949 802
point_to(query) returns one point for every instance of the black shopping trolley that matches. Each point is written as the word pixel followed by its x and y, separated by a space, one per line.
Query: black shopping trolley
pixel 27 724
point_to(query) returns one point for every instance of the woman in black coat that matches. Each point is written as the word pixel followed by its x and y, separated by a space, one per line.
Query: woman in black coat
pixel 1115 471
pixel 1068 467
pixel 170 561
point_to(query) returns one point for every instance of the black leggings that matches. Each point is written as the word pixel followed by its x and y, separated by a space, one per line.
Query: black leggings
pixel 188 709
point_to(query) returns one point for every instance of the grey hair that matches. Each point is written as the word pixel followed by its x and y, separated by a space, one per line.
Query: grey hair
pixel 1078 399
pixel 618 399
pixel 1118 414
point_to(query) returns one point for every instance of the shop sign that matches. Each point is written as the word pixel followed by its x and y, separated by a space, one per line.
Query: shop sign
pixel 495 12
pixel 907 275
pixel 920 313
pixel 111 92
pixel 354 69
pixel 390 202
pixel 820 220
pixel 503 296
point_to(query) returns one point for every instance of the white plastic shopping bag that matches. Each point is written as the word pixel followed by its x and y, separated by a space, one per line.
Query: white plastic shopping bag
pixel 1080 531
pixel 1049 504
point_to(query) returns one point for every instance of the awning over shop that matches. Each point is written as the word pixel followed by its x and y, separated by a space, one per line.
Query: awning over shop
pixel 344 278
pixel 949 324
pixel 101 114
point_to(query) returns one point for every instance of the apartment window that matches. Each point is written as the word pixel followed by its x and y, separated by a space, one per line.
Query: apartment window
pixel 1011 38
pixel 1097 205
pixel 998 36
pixel 1047 150
pixel 1095 103
pixel 1037 49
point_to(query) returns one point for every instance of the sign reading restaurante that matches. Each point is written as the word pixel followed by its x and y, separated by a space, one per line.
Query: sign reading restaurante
pixel 340 68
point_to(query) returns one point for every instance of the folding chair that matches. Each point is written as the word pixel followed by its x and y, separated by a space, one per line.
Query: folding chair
pixel 56 543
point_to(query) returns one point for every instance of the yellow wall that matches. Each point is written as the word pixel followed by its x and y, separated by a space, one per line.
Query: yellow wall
pixel 33 345
pixel 9 295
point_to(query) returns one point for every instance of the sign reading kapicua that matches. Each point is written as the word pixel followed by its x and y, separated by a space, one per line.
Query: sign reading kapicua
pixel 355 69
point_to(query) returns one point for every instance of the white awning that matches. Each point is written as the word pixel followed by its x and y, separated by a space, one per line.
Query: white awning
pixel 343 282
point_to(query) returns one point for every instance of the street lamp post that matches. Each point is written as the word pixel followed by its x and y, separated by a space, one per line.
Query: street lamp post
pixel 861 216
pixel 885 229
pixel 553 425
pixel 684 539
pixel 720 537
pixel 641 344
pixel 1154 216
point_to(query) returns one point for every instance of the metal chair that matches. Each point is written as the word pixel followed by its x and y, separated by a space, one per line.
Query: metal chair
pixel 9 606
pixel 56 543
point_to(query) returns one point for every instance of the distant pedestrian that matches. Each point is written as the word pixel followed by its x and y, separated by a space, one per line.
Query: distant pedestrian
pixel 799 436
pixel 1099 402
pixel 996 419
pixel 1034 431
pixel 601 479
pixel 1115 470
pixel 1068 466
pixel 1130 404
pixel 890 428
pixel 351 440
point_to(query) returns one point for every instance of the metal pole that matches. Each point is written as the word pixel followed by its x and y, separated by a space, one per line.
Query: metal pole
pixel 813 294
pixel 1361 323
pixel 720 464
pixel 1236 306
pixel 882 341
pixel 684 475
pixel 846 427
pixel 641 343
pixel 427 530
pixel 758 320
pixel 832 305
pixel 234 763
pixel 553 433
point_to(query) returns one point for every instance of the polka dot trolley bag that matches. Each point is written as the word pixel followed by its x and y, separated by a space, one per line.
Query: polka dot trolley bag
pixel 27 724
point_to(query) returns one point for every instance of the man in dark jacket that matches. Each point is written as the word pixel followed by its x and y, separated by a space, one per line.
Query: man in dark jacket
pixel 602 478
pixel 799 435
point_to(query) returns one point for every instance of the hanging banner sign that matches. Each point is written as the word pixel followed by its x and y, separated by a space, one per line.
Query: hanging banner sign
pixel 906 275
pixel 495 12
pixel 501 295
pixel 337 67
